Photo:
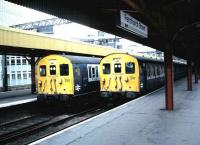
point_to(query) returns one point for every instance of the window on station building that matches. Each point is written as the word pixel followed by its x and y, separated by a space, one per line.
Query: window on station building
pixel 12 60
pixel 19 75
pixel 64 70
pixel 106 68
pixel 23 61
pixel 13 76
pixel 130 68
pixel 119 46
pixel 18 60
pixel 24 75
pixel 52 70
pixel 117 68
pixel 29 74
pixel 7 61
pixel 8 76
pixel 42 70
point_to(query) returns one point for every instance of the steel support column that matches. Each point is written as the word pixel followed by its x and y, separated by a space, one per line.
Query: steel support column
pixel 189 75
pixel 196 74
pixel 33 83
pixel 4 73
pixel 168 79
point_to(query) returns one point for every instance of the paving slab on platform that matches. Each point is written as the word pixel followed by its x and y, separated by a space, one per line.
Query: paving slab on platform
pixel 16 97
pixel 15 93
pixel 140 122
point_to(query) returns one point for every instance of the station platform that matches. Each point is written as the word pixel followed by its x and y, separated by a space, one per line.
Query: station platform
pixel 143 121
pixel 16 97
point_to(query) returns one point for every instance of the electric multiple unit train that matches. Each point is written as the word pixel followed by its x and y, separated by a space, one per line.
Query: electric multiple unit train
pixel 127 76
pixel 65 77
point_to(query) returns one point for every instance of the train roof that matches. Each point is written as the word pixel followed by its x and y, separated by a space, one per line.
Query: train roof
pixel 83 59
pixel 145 59
pixel 148 59
pixel 140 58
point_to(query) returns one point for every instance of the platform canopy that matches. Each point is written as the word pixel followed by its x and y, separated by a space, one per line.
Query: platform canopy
pixel 163 23
pixel 27 43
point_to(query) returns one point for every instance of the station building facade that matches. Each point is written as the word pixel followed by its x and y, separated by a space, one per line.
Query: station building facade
pixel 18 72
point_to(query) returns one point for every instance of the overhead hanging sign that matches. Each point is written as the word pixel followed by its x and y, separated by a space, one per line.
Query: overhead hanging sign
pixel 132 25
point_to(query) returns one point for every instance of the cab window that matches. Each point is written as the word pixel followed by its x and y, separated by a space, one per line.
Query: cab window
pixel 64 70
pixel 130 68
pixel 52 70
pixel 106 68
pixel 117 68
pixel 43 70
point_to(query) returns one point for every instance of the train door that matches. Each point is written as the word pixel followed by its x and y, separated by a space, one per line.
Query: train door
pixel 142 76
pixel 51 76
pixel 78 84
pixel 84 77
pixel 132 76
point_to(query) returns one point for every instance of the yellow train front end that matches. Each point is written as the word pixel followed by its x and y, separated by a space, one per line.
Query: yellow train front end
pixel 55 78
pixel 119 76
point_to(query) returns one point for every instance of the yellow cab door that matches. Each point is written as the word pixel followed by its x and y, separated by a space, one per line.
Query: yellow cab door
pixel 131 79
pixel 65 82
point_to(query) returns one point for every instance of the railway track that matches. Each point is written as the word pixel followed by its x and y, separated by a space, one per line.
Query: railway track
pixel 30 125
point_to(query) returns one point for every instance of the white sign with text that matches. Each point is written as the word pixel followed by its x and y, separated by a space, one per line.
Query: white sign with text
pixel 130 24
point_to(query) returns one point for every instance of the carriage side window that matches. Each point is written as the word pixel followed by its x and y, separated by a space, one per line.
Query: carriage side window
pixel 93 72
pixel 97 73
pixel 89 70
pixel 64 70
pixel 106 68
pixel 151 71
pixel 130 68
pixel 158 70
pixel 141 70
pixel 148 70
pixel 155 70
pixel 43 70
pixel 52 70
pixel 117 67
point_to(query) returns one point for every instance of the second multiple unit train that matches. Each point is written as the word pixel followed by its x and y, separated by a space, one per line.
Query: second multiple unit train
pixel 64 78
pixel 126 75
